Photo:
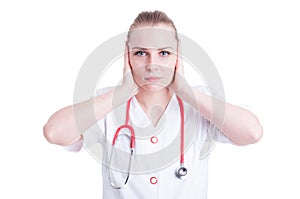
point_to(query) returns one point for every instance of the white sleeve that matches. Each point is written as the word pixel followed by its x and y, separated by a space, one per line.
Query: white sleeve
pixel 95 134
pixel 76 147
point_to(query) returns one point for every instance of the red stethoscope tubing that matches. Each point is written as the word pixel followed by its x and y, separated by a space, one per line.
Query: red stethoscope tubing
pixel 127 126
pixel 181 130
pixel 132 142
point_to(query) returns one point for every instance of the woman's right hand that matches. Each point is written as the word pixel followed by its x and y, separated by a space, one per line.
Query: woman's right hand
pixel 62 130
pixel 128 82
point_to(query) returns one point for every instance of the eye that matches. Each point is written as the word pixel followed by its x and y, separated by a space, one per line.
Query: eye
pixel 140 53
pixel 164 53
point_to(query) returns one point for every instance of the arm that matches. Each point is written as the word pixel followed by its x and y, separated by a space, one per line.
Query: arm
pixel 238 124
pixel 61 127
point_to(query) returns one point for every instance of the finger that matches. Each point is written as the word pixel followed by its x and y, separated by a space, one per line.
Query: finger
pixel 179 62
pixel 127 67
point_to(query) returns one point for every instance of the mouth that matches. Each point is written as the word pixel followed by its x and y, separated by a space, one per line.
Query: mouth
pixel 152 78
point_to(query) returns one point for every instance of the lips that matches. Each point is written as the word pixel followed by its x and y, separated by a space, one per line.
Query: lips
pixel 152 78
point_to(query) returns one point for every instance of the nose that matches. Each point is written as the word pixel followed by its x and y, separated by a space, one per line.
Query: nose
pixel 152 63
pixel 151 67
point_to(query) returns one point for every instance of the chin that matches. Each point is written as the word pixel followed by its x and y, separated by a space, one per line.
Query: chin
pixel 153 87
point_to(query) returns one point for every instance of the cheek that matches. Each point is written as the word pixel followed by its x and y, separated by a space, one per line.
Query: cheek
pixel 136 62
pixel 168 71
pixel 172 63
pixel 169 64
pixel 172 60
pixel 138 74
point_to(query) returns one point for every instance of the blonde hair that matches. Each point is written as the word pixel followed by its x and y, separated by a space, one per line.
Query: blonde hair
pixel 152 18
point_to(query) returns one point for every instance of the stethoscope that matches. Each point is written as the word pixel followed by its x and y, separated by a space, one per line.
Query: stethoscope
pixel 180 172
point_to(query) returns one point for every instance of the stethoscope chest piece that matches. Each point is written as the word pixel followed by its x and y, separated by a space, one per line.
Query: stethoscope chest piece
pixel 181 172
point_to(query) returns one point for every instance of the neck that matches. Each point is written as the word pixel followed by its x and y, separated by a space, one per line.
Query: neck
pixel 154 103
pixel 148 100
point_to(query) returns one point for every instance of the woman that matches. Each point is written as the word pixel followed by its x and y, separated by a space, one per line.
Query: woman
pixel 154 94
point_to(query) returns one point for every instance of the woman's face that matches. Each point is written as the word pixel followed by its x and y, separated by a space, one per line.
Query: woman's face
pixel 152 56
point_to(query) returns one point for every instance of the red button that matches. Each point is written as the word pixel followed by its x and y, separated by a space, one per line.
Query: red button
pixel 154 140
pixel 153 180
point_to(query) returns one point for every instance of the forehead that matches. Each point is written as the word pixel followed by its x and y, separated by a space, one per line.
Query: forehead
pixel 152 37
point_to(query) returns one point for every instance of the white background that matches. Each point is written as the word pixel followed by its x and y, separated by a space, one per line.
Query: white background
pixel 254 44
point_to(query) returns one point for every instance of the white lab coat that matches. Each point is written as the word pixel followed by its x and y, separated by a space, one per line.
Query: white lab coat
pixel 155 161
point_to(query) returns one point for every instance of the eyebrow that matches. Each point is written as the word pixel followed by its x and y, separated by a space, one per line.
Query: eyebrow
pixel 141 48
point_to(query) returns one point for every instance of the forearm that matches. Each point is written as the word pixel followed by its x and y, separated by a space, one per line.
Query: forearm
pixel 238 124
pixel 66 126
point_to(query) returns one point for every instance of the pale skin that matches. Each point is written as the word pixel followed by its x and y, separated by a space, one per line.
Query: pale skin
pixel 153 74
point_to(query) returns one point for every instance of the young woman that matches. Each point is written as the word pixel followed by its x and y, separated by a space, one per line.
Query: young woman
pixel 166 123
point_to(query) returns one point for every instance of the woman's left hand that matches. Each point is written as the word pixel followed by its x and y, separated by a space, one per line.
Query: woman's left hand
pixel 179 81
